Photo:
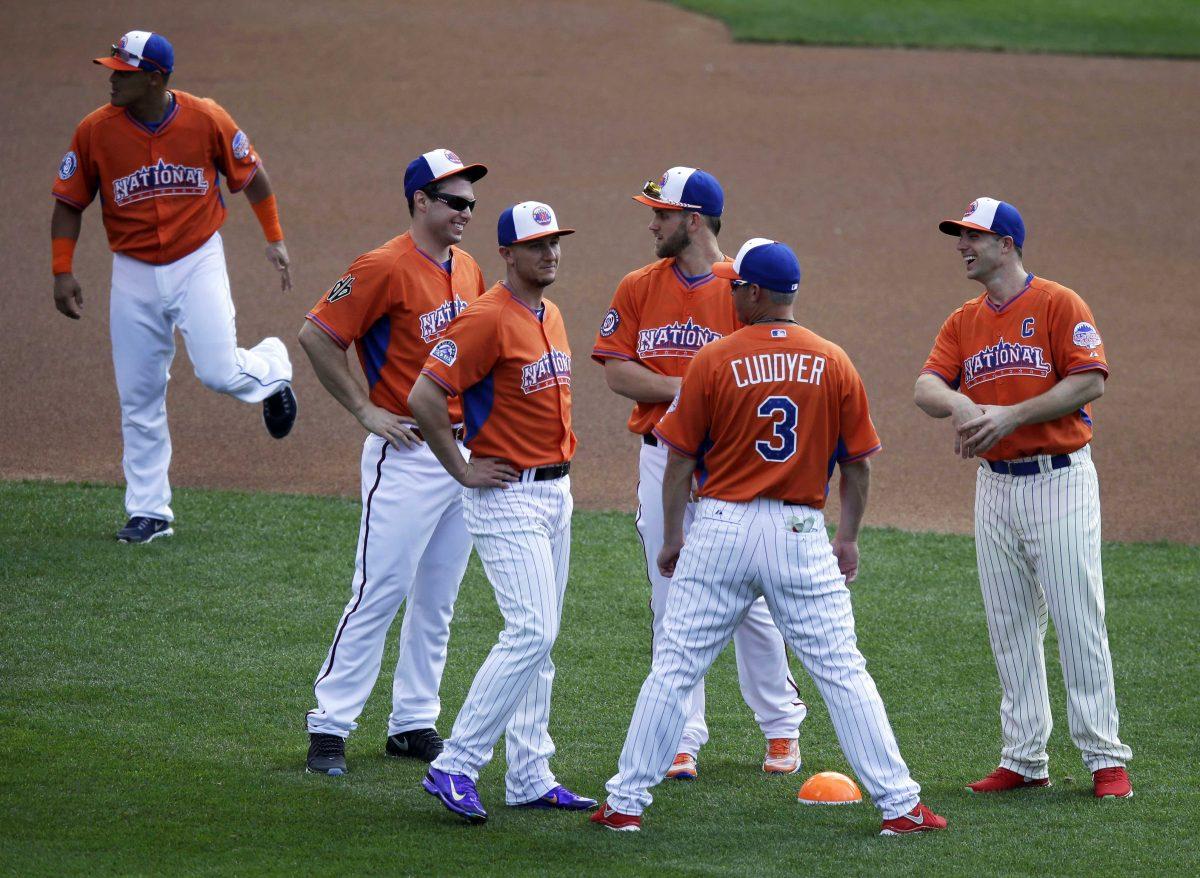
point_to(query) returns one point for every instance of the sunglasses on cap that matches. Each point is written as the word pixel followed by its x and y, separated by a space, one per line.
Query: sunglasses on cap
pixel 454 202
pixel 129 57
pixel 652 189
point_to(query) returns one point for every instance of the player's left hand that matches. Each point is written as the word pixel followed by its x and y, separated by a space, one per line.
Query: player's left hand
pixel 277 255
pixel 667 558
pixel 979 434
pixel 846 552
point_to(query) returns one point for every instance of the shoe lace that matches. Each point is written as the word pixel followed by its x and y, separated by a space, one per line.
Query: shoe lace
pixel 1109 774
pixel 777 748
pixel 425 736
pixel 328 745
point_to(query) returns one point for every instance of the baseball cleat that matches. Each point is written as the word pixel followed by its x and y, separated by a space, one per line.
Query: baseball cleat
pixel 684 767
pixel 457 792
pixel 279 412
pixel 1112 783
pixel 141 529
pixel 1002 779
pixel 423 744
pixel 919 819
pixel 561 799
pixel 783 756
pixel 612 819
pixel 326 754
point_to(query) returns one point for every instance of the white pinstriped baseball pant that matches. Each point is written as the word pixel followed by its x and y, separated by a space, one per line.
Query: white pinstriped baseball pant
pixel 734 553
pixel 1037 541
pixel 523 537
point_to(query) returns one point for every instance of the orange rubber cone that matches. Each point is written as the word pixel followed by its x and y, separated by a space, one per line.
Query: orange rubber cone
pixel 829 788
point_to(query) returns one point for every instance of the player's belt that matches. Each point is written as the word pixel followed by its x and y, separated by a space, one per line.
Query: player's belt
pixel 650 439
pixel 546 473
pixel 459 432
pixel 1026 467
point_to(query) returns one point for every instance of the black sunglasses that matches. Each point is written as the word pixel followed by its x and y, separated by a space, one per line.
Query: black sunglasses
pixel 738 284
pixel 454 202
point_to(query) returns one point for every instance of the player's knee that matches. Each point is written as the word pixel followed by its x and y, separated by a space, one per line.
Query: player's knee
pixel 538 636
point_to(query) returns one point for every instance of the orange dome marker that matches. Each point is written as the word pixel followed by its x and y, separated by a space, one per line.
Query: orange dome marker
pixel 829 788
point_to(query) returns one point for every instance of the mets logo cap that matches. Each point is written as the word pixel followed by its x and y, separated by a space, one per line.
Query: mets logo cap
pixel 989 215
pixel 764 262
pixel 437 164
pixel 684 189
pixel 528 221
pixel 140 50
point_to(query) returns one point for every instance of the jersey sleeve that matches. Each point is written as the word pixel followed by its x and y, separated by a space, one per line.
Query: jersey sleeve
pixel 78 177
pixel 945 360
pixel 686 424
pixel 353 304
pixel 233 153
pixel 617 338
pixel 468 352
pixel 857 437
pixel 1075 341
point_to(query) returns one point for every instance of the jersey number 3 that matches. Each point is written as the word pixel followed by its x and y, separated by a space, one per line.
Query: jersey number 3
pixel 782 444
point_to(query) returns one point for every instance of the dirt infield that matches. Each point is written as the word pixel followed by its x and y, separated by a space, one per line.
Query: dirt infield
pixel 850 155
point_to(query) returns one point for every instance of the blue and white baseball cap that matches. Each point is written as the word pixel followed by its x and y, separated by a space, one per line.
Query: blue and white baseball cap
pixel 140 50
pixel 528 221
pixel 437 164
pixel 989 215
pixel 764 262
pixel 684 189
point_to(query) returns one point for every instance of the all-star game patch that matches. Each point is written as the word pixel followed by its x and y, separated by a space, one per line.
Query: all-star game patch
pixel 66 168
pixel 341 289
pixel 1085 336
pixel 446 351
pixel 611 321
pixel 241 145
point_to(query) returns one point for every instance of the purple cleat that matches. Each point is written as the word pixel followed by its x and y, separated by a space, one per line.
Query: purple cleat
pixel 457 792
pixel 561 799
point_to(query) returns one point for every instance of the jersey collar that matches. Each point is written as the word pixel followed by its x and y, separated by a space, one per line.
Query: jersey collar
pixel 1002 308
pixel 172 112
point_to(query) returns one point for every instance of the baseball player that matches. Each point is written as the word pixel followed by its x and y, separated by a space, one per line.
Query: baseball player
pixel 394 304
pixel 508 359
pixel 760 419
pixel 155 156
pixel 1016 370
pixel 660 317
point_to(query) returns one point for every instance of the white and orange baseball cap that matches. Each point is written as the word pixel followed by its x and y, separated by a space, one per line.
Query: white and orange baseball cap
pixel 526 222
pixel 140 50
pixel 989 215
pixel 684 189
pixel 437 164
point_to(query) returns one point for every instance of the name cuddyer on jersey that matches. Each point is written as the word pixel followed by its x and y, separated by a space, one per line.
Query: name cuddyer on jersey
pixel 769 368
pixel 674 340
pixel 546 371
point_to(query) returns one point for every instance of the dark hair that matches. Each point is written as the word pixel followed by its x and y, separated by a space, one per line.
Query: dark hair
pixel 1018 249
pixel 713 222
pixel 431 190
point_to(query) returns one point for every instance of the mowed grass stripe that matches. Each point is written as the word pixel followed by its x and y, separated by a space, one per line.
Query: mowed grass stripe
pixel 152 714
pixel 1169 28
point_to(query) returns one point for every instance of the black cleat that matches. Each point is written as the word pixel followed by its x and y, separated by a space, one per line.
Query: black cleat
pixel 326 754
pixel 279 412
pixel 140 529
pixel 423 744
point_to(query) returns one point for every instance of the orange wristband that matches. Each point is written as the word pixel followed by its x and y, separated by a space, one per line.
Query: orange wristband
pixel 62 251
pixel 267 212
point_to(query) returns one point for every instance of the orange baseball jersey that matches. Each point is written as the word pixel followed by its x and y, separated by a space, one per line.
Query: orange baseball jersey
pixel 513 372
pixel 395 303
pixel 768 412
pixel 660 320
pixel 159 189
pixel 1002 356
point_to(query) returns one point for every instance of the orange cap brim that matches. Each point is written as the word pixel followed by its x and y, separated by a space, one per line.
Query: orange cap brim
pixel 114 64
pixel 951 227
pixel 725 270
pixel 661 205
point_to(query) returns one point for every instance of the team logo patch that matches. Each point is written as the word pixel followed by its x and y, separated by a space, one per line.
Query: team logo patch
pixel 662 181
pixel 66 168
pixel 674 403
pixel 971 208
pixel 446 351
pixel 341 289
pixel 541 215
pixel 611 321
pixel 1085 336
pixel 241 145
pixel 451 157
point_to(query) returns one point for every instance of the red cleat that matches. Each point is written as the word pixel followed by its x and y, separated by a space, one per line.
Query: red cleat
pixel 919 819
pixel 1001 780
pixel 1112 783
pixel 615 820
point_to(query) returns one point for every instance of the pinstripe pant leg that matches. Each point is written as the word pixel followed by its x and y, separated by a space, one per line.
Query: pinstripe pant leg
pixel 811 604
pixel 1015 606
pixel 709 597
pixel 1065 543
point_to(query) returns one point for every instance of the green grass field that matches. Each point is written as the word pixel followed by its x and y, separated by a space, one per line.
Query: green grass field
pixel 1106 27
pixel 152 713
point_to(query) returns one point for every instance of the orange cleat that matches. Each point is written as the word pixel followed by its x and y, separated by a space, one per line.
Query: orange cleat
pixel 783 756
pixel 684 767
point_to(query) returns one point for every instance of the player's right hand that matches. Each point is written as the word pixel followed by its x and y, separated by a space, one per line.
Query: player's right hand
pixel 489 472
pixel 68 295
pixel 667 559
pixel 388 426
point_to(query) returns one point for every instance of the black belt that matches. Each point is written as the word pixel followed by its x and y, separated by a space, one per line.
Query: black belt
pixel 546 473
pixel 459 432
pixel 650 439
pixel 1026 467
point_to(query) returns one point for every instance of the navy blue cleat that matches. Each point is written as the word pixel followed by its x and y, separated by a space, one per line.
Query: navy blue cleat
pixel 561 799
pixel 457 792
pixel 326 754
pixel 279 412
pixel 141 529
